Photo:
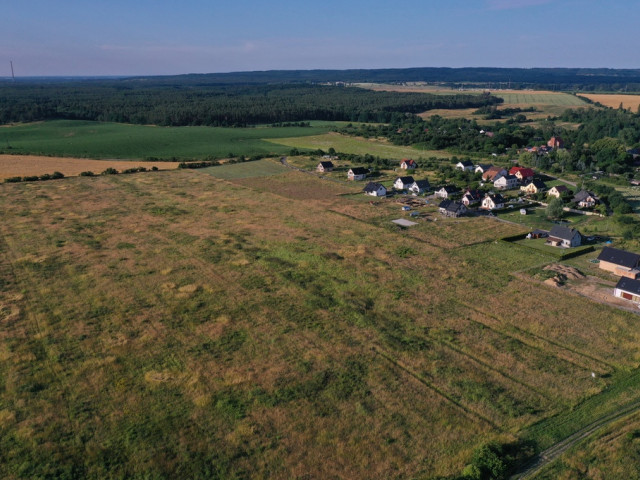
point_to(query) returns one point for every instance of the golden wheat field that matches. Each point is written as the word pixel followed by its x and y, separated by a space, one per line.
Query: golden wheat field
pixel 629 102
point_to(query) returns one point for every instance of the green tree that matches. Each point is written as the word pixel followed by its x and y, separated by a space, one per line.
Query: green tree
pixel 554 208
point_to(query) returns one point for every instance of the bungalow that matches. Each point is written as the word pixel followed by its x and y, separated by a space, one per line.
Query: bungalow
pixel 585 199
pixel 523 174
pixel 408 164
pixel 325 167
pixel 375 189
pixel 565 237
pixel 493 173
pixel 619 262
pixel 403 183
pixel 628 288
pixel 449 208
pixel 555 143
pixel 533 186
pixel 419 186
pixel 506 182
pixel 465 166
pixel 492 202
pixel 482 167
pixel 557 191
pixel 357 173
pixel 471 197
pixel 447 191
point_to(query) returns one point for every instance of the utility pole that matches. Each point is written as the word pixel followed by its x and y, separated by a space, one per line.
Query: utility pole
pixel 13 77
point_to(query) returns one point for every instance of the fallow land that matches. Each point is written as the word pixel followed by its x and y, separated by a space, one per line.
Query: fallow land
pixel 201 324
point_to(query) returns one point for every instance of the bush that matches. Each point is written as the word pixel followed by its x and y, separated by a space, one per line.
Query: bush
pixel 110 171
pixel 13 180
pixel 30 178
pixel 57 175
pixel 46 176
pixel 87 174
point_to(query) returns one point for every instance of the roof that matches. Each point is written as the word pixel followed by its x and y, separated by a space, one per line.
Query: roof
pixel 629 285
pixel 537 183
pixel 360 170
pixel 475 194
pixel 583 195
pixel 561 188
pixel 507 178
pixel 408 161
pixel 373 187
pixel 326 164
pixel 455 206
pixel 445 203
pixel 450 188
pixel 484 166
pixel 422 183
pixel 565 233
pixel 619 257
pixel 405 180
pixel 538 231
pixel 497 198
pixel 465 163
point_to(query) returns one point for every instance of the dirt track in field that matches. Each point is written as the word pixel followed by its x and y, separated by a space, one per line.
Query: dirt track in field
pixel 28 165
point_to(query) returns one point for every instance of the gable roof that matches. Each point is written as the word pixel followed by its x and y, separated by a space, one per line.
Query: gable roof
pixel 474 194
pixel 619 257
pixel 408 161
pixel 492 172
pixel 373 187
pixel 560 188
pixel 450 188
pixel 484 166
pixel 359 170
pixel 564 233
pixel 508 178
pixel 496 199
pixel 405 180
pixel 326 164
pixel 465 163
pixel 424 184
pixel 629 285
pixel 445 203
pixel 454 207
pixel 583 195
pixel 536 182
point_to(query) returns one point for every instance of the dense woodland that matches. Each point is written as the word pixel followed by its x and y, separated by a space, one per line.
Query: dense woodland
pixel 229 105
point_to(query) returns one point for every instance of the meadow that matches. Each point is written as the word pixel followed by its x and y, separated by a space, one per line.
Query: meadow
pixel 215 323
pixel 83 139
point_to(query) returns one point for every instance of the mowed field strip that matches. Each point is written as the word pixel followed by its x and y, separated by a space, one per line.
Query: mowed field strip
pixel 28 165
pixel 282 325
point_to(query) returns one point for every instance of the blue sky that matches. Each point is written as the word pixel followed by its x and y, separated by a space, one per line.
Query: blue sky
pixel 145 37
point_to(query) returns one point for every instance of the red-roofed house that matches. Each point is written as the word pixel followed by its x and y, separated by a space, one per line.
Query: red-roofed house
pixel 522 173
pixel 408 164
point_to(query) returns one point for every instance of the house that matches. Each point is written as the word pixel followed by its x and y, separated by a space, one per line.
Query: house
pixel 533 186
pixel 555 143
pixel 450 208
pixel 619 262
pixel 482 167
pixel 471 197
pixel 408 164
pixel 403 183
pixel 557 191
pixel 447 191
pixel 492 202
pixel 565 237
pixel 375 189
pixel 628 288
pixel 585 199
pixel 419 186
pixel 325 167
pixel 537 233
pixel 357 173
pixel 523 174
pixel 493 173
pixel 465 166
pixel 506 182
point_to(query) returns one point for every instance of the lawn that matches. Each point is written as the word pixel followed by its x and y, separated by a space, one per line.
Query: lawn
pixel 67 138
pixel 192 325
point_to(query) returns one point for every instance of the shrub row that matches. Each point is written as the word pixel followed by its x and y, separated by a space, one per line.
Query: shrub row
pixel 35 178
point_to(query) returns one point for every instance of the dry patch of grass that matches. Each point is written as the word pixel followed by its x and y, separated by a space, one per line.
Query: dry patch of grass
pixel 629 102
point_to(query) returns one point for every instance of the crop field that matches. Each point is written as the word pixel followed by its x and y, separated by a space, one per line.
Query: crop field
pixel 259 168
pixel 67 138
pixel 357 146
pixel 184 325
pixel 30 165
pixel 629 102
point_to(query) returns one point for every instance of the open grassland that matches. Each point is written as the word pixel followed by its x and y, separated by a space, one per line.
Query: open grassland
pixel 357 146
pixel 613 100
pixel 66 138
pixel 181 325
pixel 29 165
pixel 259 168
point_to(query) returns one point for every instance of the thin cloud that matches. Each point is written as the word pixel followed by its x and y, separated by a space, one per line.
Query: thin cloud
pixel 513 4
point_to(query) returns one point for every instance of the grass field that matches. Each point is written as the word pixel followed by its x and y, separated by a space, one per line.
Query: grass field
pixel 358 146
pixel 65 138
pixel 629 102
pixel 199 324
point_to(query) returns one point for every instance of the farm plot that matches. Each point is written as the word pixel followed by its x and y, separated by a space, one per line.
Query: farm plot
pixel 258 168
pixel 176 314
pixel 628 102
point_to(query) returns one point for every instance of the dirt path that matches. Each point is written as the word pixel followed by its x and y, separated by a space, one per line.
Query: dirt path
pixel 553 452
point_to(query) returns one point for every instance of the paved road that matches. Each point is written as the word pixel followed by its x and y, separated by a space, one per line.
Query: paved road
pixel 553 452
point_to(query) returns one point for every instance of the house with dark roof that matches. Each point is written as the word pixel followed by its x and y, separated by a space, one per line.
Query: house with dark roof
pixel 420 186
pixel 325 167
pixel 628 288
pixel 585 199
pixel 619 262
pixel 450 208
pixel 375 189
pixel 538 233
pixel 447 191
pixel 408 164
pixel 471 197
pixel 357 173
pixel 557 191
pixel 465 165
pixel 506 182
pixel 403 183
pixel 564 237
pixel 533 186
pixel 492 202
pixel 482 167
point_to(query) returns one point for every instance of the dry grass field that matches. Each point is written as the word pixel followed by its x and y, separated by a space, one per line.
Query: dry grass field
pixel 32 165
pixel 629 102
pixel 178 324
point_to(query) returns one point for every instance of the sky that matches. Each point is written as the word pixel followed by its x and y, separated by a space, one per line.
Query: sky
pixel 166 37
